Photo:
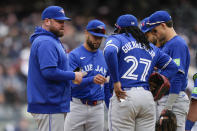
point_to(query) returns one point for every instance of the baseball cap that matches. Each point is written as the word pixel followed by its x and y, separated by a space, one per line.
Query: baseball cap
pixel 126 21
pixel 144 26
pixel 158 17
pixel 96 28
pixel 54 12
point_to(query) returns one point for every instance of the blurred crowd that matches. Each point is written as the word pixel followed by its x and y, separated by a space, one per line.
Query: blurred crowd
pixel 15 47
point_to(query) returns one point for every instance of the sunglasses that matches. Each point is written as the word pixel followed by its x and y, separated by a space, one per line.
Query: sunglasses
pixel 102 31
pixel 154 23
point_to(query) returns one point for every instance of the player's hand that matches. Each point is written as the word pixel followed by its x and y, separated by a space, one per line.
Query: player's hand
pixel 78 77
pixel 119 92
pixel 99 79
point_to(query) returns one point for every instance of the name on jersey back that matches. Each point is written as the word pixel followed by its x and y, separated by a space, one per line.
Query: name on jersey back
pixel 133 45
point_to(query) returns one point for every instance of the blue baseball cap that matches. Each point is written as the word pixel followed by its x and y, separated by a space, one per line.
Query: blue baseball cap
pixel 96 28
pixel 144 26
pixel 158 17
pixel 126 21
pixel 54 12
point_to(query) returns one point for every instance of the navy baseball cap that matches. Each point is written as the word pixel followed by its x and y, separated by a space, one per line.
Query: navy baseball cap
pixel 96 28
pixel 144 26
pixel 126 21
pixel 158 17
pixel 54 12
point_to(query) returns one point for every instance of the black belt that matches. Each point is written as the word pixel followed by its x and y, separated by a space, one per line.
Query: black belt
pixel 91 103
pixel 88 102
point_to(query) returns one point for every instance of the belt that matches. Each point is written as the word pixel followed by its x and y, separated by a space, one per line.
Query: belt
pixel 129 88
pixel 87 102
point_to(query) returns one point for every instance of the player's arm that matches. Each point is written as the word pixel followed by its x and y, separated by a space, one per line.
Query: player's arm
pixel 110 53
pixel 108 90
pixel 166 65
pixel 74 63
pixel 48 59
pixel 179 57
pixel 111 57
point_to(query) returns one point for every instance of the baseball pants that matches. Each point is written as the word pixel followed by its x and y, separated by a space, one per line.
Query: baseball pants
pixel 84 117
pixel 50 122
pixel 136 113
pixel 180 109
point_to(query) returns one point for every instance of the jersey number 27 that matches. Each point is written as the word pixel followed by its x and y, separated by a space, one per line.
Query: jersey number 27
pixel 130 72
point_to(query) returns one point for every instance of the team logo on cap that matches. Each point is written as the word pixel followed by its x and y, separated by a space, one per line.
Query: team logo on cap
pixel 62 11
pixel 142 24
pixel 132 23
pixel 100 27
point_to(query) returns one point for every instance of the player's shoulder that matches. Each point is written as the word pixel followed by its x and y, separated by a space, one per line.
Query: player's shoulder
pixel 45 42
pixel 114 38
pixel 44 39
pixel 178 41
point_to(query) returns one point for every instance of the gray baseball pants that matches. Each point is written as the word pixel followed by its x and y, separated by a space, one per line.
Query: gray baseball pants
pixel 50 122
pixel 136 113
pixel 84 117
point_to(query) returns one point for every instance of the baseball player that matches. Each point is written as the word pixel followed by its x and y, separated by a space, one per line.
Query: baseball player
pixel 192 114
pixel 161 26
pixel 48 74
pixel 87 106
pixel 131 60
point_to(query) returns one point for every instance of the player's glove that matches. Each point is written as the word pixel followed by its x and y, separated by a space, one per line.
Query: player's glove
pixel 167 121
pixel 159 85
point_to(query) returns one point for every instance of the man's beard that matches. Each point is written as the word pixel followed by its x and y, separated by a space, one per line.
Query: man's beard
pixel 92 45
pixel 56 32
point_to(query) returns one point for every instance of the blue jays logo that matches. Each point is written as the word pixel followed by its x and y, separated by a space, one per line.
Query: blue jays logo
pixel 143 24
pixel 100 27
pixel 62 11
pixel 132 23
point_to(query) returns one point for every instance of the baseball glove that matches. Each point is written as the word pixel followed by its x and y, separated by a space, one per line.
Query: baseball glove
pixel 167 121
pixel 159 85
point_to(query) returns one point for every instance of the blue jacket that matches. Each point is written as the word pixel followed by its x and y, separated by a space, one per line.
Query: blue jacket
pixel 48 88
pixel 93 63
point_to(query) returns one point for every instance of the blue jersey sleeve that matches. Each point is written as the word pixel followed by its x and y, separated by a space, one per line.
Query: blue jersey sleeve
pixel 47 55
pixel 167 66
pixel 111 50
pixel 74 62
pixel 108 90
pixel 179 53
pixel 194 92
pixel 195 82
pixel 55 74
pixel 176 83
pixel 170 70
